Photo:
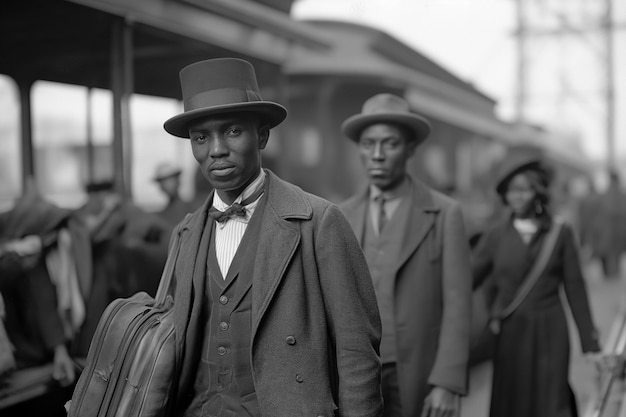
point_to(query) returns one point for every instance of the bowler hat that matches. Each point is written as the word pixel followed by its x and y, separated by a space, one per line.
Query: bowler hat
pixel 386 108
pixel 166 170
pixel 516 163
pixel 218 86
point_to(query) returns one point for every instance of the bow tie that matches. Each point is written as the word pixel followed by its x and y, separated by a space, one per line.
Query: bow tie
pixel 236 209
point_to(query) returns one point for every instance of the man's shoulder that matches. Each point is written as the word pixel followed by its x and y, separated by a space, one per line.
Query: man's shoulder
pixel 292 199
pixel 442 200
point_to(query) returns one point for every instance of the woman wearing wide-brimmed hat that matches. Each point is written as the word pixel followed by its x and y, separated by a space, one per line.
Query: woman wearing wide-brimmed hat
pixel 531 256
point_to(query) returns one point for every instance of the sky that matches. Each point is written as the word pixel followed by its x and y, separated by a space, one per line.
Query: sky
pixel 475 40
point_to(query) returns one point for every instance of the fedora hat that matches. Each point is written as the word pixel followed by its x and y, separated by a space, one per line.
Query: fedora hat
pixel 218 86
pixel 165 170
pixel 386 108
pixel 516 163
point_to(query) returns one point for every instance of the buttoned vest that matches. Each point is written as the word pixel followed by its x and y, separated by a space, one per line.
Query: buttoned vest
pixel 224 385
pixel 382 253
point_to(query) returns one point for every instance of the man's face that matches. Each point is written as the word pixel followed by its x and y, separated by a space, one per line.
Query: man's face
pixel 385 150
pixel 228 149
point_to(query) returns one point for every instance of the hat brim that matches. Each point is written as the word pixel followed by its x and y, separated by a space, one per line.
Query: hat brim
pixel 354 125
pixel 271 113
pixel 170 175
pixel 512 171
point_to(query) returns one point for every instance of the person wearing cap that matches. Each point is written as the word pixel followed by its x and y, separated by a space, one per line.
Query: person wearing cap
pixel 415 244
pixel 167 177
pixel 275 309
pixel 531 355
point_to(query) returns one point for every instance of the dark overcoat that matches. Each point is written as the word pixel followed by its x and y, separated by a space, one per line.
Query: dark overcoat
pixel 531 360
pixel 432 294
pixel 310 284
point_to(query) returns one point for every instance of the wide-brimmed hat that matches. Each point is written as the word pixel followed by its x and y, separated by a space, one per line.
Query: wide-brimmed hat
pixel 218 86
pixel 386 108
pixel 166 170
pixel 514 164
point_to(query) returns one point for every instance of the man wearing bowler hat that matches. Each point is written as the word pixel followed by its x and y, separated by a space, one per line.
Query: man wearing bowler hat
pixel 274 307
pixel 418 254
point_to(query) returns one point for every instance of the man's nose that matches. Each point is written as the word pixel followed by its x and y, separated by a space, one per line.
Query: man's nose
pixel 378 153
pixel 217 146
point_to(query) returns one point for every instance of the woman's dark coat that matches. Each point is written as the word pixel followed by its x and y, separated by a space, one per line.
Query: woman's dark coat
pixel 531 361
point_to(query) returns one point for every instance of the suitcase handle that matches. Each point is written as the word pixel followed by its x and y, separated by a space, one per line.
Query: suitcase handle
pixel 168 270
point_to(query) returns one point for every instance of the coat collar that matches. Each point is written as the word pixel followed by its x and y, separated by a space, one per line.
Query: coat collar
pixel 422 216
pixel 421 220
pixel 278 240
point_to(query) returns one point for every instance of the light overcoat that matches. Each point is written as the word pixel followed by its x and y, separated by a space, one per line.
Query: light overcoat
pixel 315 323
pixel 432 294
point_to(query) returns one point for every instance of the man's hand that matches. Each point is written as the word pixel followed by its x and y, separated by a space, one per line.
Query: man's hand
pixel 441 403
pixel 63 367
pixel 28 245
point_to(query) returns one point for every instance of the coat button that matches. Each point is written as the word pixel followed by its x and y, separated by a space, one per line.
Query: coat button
pixel 291 340
pixel 221 351
pixel 223 325
pixel 299 378
pixel 223 299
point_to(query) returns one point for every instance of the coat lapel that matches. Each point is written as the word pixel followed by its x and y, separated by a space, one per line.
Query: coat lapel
pixel 279 239
pixel 191 234
pixel 421 220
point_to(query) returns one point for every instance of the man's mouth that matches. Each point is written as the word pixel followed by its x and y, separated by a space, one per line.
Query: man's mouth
pixel 221 169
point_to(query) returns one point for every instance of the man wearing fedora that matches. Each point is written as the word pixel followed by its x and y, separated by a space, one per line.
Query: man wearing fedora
pixel 418 254
pixel 167 178
pixel 274 306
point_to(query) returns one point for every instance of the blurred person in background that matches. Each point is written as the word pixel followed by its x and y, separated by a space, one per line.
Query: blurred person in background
pixel 609 242
pixel 531 357
pixel 167 177
pixel 418 253
pixel 275 310
pixel 118 232
pixel 40 284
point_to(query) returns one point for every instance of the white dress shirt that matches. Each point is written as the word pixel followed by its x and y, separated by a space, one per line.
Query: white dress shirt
pixel 228 234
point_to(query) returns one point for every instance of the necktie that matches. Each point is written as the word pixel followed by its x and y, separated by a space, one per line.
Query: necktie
pixel 382 215
pixel 236 209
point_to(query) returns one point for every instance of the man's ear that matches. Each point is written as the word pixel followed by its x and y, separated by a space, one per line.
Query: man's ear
pixel 412 146
pixel 264 136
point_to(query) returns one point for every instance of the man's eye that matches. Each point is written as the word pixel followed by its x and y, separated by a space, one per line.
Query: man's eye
pixel 199 138
pixel 233 131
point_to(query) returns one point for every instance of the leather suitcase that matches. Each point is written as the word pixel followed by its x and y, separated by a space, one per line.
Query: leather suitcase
pixel 130 365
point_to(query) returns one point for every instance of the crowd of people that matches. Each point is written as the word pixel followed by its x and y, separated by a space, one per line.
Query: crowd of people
pixel 289 305
pixel 60 268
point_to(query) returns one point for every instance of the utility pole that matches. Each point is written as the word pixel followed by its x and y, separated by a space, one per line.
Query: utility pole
pixel 596 35
pixel 520 103
pixel 610 87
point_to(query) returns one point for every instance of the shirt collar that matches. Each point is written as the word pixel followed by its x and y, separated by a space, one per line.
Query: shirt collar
pixel 398 192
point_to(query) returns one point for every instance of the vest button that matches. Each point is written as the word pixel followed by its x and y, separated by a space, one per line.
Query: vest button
pixel 299 379
pixel 221 351
pixel 223 299
pixel 220 387
pixel 223 325
pixel 291 340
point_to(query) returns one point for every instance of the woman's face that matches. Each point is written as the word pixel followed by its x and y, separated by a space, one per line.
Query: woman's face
pixel 520 195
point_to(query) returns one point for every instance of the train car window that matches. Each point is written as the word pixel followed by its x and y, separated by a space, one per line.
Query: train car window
pixel 11 154
pixel 72 136
pixel 151 145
